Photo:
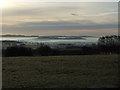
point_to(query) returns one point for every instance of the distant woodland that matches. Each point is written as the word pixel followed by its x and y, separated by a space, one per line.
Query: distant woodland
pixel 105 45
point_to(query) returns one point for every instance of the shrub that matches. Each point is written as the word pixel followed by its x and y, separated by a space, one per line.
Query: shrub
pixel 18 51
pixel 43 50
pixel 109 44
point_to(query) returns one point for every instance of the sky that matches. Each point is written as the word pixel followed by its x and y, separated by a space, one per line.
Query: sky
pixel 60 18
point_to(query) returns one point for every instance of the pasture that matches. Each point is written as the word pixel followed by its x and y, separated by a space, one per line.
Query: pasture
pixel 82 71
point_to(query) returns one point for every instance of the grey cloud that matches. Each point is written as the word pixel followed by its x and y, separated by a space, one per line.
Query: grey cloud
pixel 73 14
pixel 60 25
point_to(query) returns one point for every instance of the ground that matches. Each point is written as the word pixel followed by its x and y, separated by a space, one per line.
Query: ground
pixel 85 71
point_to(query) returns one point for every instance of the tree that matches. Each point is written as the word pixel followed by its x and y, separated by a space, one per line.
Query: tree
pixel 44 50
pixel 109 44
pixel 18 51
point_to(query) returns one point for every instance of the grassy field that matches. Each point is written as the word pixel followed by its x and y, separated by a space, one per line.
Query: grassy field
pixel 85 71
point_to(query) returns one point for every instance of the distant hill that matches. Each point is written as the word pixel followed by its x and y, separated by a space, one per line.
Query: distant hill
pixel 17 36
pixel 71 37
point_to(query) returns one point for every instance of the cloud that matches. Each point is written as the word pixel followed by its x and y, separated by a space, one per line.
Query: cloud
pixel 59 25
pixel 73 14
pixel 101 14
pixel 44 17
pixel 28 12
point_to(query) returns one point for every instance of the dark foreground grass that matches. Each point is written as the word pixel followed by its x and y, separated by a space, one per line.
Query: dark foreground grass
pixel 85 71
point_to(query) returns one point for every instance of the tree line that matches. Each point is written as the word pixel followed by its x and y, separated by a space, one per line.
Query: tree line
pixel 106 45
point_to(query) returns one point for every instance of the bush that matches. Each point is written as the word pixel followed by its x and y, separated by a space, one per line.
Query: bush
pixel 109 44
pixel 55 52
pixel 43 50
pixel 18 51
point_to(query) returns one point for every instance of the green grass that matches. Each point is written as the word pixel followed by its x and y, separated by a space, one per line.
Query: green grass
pixel 83 71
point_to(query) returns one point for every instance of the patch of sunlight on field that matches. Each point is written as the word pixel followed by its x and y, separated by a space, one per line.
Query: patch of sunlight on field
pixel 60 71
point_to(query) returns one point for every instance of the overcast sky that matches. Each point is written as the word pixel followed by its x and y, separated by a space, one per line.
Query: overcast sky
pixel 36 18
